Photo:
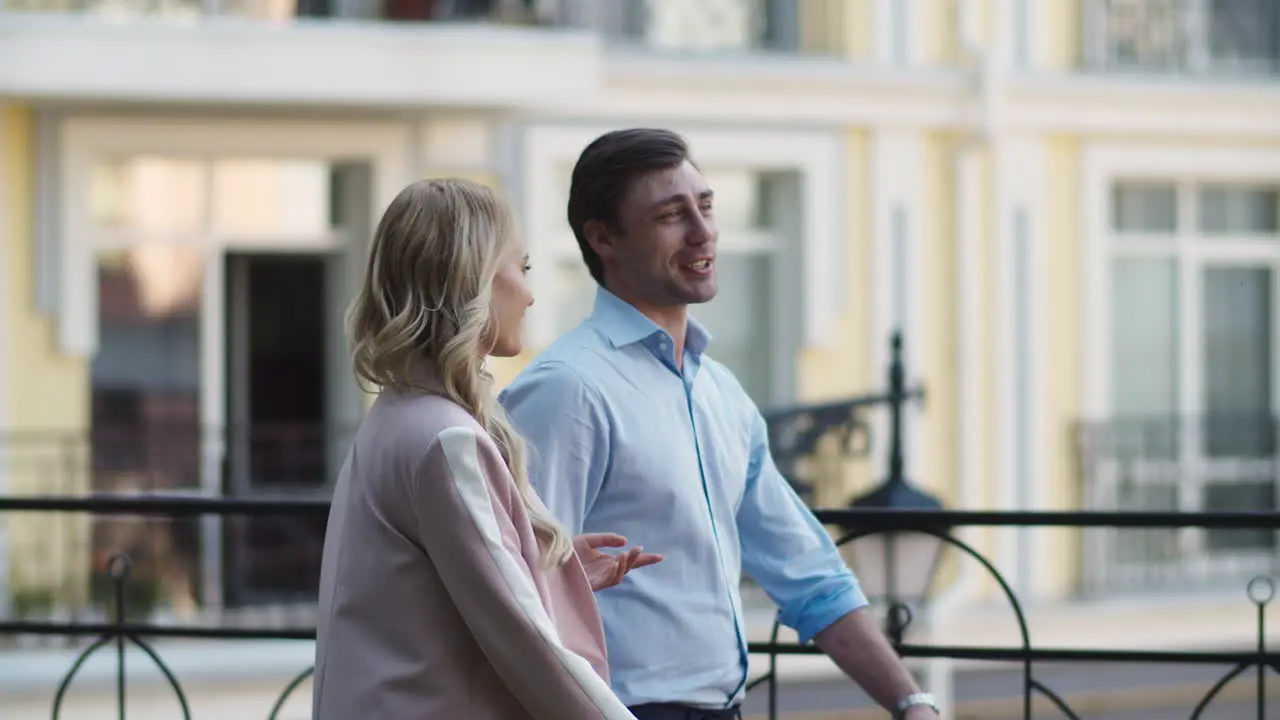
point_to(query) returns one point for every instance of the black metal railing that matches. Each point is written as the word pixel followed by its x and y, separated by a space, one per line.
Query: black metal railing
pixel 121 630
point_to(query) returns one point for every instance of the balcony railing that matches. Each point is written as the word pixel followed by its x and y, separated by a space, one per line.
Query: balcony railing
pixel 707 26
pixel 1215 463
pixel 1198 37
pixel 123 617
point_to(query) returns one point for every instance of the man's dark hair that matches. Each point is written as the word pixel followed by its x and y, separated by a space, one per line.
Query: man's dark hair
pixel 606 171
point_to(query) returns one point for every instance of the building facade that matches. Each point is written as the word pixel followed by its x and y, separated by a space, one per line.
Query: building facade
pixel 1069 207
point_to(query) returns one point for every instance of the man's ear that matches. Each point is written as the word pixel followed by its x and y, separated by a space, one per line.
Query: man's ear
pixel 597 235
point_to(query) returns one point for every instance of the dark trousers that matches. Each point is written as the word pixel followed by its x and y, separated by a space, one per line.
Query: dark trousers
pixel 671 711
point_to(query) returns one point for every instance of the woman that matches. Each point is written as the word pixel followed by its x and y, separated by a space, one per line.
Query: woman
pixel 447 590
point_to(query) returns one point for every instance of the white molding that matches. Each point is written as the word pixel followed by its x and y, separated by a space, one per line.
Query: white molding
pixel 897 166
pixel 335 62
pixel 1020 190
pixel 970 277
pixel 894 21
pixel 817 156
pixel 1104 162
pixel 385 145
pixel 46 198
pixel 833 93
pixel 1009 31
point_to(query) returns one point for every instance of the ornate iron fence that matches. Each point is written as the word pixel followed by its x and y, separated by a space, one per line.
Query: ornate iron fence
pixel 120 631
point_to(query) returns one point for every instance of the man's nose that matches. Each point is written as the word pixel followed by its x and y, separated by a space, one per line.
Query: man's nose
pixel 702 232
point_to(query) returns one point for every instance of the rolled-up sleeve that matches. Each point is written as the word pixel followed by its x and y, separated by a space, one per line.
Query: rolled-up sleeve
pixel 563 423
pixel 788 552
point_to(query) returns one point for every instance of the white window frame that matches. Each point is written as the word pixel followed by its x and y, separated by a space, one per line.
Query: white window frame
pixel 1106 164
pixel 1020 187
pixel 818 158
pixel 83 141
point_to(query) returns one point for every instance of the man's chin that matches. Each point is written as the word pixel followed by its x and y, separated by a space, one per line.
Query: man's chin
pixel 699 296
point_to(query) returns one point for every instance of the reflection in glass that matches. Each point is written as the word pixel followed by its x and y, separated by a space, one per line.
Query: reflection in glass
pixel 1144 338
pixel 145 412
pixel 1237 361
pixel 1239 209
pixel 269 196
pixel 150 195
pixel 740 320
pixel 1144 207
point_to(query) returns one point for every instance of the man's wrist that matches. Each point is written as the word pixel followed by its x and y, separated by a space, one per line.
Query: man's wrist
pixel 917 705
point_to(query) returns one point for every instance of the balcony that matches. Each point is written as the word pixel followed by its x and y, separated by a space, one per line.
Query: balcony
pixel 1225 38
pixel 1208 464
pixel 477 53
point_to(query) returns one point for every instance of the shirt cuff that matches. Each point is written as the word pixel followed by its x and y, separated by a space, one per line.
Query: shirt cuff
pixel 818 614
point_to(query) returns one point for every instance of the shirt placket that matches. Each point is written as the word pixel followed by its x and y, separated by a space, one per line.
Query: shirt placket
pixel 687 380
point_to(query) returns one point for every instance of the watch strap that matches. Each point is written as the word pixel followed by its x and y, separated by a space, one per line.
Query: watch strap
pixel 920 699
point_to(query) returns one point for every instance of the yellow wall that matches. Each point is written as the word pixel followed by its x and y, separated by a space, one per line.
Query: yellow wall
pixel 47 410
pixel 1060 30
pixel 48 390
pixel 1062 371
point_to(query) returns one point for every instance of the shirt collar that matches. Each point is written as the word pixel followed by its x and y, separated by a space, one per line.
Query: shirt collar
pixel 624 325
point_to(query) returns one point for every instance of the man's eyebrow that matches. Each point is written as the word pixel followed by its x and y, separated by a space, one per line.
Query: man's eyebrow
pixel 704 195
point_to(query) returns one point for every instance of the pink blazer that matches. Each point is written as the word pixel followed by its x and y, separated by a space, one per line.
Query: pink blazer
pixel 434 603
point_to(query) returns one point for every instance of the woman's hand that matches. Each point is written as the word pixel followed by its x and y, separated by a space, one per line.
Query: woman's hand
pixel 605 570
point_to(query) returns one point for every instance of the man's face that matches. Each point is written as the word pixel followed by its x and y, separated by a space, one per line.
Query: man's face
pixel 663 252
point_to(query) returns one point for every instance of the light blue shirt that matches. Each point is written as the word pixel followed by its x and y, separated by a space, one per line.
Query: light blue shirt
pixel 620 440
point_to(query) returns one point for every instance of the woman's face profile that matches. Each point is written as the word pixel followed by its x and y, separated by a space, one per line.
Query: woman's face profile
pixel 511 298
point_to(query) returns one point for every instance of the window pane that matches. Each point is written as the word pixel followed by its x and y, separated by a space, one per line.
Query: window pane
pixel 1144 337
pixel 1237 361
pixel 740 202
pixel 1233 497
pixel 740 320
pixel 1242 34
pixel 1144 207
pixel 145 409
pixel 150 195
pixel 706 25
pixel 1239 209
pixel 271 197
pixel 1146 34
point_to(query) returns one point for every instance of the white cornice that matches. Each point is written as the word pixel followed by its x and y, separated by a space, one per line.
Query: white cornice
pixel 554 75
pixel 299 63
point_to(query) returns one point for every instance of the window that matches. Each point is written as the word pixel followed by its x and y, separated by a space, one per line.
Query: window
pixel 1193 344
pixel 743 316
pixel 1186 35
pixel 708 25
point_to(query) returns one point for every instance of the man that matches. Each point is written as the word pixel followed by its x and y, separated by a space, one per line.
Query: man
pixel 632 428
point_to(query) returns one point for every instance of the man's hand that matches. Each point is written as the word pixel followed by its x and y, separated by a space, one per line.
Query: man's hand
pixel 605 570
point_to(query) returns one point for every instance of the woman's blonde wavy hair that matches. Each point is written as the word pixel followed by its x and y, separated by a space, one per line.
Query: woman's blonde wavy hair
pixel 425 303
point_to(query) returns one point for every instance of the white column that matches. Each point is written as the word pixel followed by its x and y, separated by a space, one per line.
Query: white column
pixel 1020 471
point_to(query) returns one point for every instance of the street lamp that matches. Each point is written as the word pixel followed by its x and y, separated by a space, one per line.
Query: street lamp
pixel 897 568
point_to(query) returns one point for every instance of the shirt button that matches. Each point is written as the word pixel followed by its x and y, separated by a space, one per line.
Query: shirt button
pixel 662 346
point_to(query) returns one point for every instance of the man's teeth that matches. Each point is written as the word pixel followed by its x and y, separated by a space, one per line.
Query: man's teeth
pixel 700 265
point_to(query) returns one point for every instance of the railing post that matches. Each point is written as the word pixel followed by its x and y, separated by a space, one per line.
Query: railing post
pixel 118 568
pixel 898 616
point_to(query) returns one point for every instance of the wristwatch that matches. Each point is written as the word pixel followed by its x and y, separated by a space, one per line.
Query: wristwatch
pixel 918 700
